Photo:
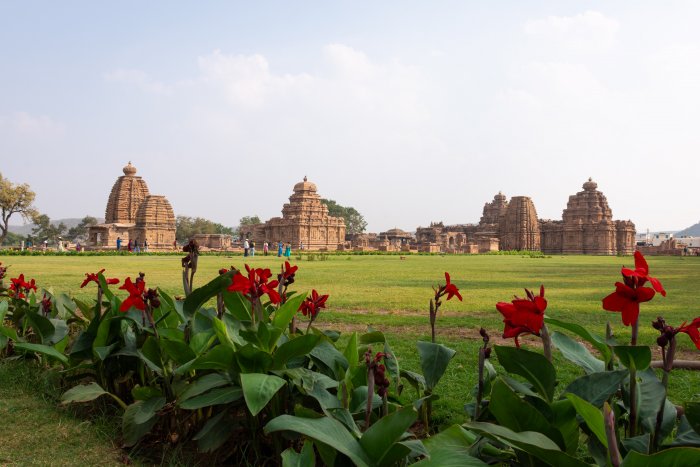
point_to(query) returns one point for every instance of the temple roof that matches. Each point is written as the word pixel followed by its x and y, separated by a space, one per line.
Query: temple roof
pixel 305 185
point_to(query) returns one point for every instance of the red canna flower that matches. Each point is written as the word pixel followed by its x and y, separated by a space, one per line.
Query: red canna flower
pixel 523 316
pixel 20 287
pixel 287 276
pixel 313 304
pixel 255 285
pixel 641 271
pixel 626 299
pixel 450 289
pixel 46 305
pixel 94 277
pixel 692 331
pixel 135 298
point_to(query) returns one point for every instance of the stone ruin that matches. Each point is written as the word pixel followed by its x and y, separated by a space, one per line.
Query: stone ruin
pixel 304 220
pixel 132 213
pixel 587 227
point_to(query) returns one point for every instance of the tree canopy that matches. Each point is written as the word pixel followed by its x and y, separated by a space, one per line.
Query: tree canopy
pixel 79 232
pixel 354 221
pixel 15 199
pixel 46 230
pixel 244 224
pixel 186 227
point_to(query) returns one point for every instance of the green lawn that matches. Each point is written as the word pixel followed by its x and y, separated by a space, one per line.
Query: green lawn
pixel 392 295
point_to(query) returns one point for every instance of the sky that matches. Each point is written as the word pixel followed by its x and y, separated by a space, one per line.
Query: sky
pixel 409 111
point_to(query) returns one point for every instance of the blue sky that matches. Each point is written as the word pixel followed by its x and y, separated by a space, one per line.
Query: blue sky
pixel 409 111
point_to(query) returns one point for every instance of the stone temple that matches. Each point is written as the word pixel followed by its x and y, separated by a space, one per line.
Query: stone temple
pixel 304 220
pixel 134 214
pixel 587 227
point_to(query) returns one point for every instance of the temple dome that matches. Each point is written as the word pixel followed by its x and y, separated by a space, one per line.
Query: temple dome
pixel 305 186
pixel 590 185
pixel 125 198
pixel 129 170
pixel 155 211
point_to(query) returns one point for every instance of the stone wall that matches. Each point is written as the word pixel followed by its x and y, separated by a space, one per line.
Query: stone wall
pixel 519 227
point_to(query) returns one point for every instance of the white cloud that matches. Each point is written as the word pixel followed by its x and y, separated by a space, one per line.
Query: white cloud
pixel 140 79
pixel 26 124
pixel 586 32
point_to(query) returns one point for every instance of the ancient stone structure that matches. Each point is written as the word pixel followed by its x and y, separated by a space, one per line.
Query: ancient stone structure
pixel 213 241
pixel 134 214
pixel 587 227
pixel 519 227
pixel 304 220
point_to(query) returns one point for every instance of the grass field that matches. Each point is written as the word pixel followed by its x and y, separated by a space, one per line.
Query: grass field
pixel 392 295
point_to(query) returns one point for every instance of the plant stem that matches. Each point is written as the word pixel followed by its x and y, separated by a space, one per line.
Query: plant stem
pixel 480 390
pixel 609 420
pixel 370 396
pixel 433 314
pixel 633 403
pixel 667 356
pixel 546 342
pixel 635 332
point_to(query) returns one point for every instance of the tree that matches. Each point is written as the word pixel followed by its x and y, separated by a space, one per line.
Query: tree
pixel 12 239
pixel 15 199
pixel 80 230
pixel 245 225
pixel 186 227
pixel 45 230
pixel 354 221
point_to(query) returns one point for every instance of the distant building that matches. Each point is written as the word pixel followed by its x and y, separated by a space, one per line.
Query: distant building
pixel 134 214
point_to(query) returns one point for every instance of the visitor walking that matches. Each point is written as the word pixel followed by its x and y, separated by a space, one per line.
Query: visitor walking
pixel 252 248
pixel 301 246
pixel 130 246
pixel 145 245
pixel 119 243
pixel 288 250
pixel 246 246
pixel 279 249
pixel 265 248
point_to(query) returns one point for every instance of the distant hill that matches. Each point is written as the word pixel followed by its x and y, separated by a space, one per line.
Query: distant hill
pixel 692 231
pixel 27 228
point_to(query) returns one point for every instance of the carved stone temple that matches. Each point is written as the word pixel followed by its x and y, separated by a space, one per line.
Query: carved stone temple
pixel 304 220
pixel 587 227
pixel 134 214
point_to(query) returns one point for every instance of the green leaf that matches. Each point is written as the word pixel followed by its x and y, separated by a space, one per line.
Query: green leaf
pixel 43 327
pixel 177 351
pixel 532 366
pixel 219 357
pixel 203 384
pixel 434 359
pixel 674 457
pixel 133 431
pixel 215 433
pixel 351 353
pixel 450 448
pixel 596 388
pixel 634 357
pixel 326 430
pixel 533 443
pixel 596 341
pixel 237 305
pixel 692 412
pixel 372 338
pixel 651 394
pixel 253 360
pixel 259 389
pixel 305 458
pixel 327 354
pixel 216 396
pixel 592 416
pixel 577 353
pixel 379 438
pixel 148 409
pixel 42 349
pixel 686 435
pixel 283 316
pixel 83 393
pixel 296 347
pixel 202 295
pixel 392 365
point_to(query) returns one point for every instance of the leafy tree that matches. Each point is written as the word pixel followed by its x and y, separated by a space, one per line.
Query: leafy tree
pixel 12 239
pixel 80 230
pixel 354 221
pixel 46 230
pixel 246 223
pixel 15 199
pixel 187 226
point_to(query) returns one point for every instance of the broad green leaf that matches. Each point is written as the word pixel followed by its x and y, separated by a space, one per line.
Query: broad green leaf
pixel 532 366
pixel 326 430
pixel 221 331
pixel 564 419
pixel 596 388
pixel 450 448
pixel 253 360
pixel 259 389
pixel 686 435
pixel 203 384
pixel 326 353
pixel 533 443
pixel 372 337
pixel 219 357
pixel 215 433
pixel 351 352
pixel 379 438
pixel 133 431
pixel 83 393
pixel 42 326
pixel 283 316
pixel 596 341
pixel 177 351
pixel 517 414
pixel 651 394
pixel 392 365
pixel 106 292
pixel 296 347
pixel 434 359
pixel 237 305
pixel 634 357
pixel 42 349
pixel 692 412
pixel 202 295
pixel 217 396
pixel 674 457
pixel 148 409
pixel 305 458
pixel 577 353
pixel 591 415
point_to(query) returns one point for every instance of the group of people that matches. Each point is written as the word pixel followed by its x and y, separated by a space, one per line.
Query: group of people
pixel 282 249
pixel 133 245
